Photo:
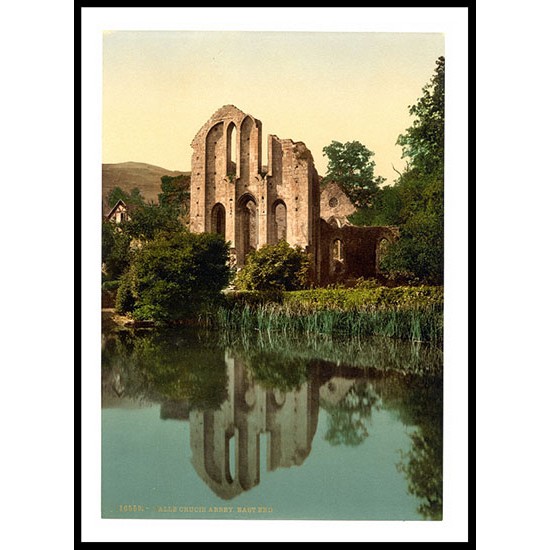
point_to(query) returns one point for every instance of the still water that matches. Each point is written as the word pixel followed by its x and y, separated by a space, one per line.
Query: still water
pixel 204 425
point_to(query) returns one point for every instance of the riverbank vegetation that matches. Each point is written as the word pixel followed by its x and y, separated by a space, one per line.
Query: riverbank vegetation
pixel 410 313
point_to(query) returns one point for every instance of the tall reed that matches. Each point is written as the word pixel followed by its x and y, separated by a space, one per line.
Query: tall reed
pixel 421 324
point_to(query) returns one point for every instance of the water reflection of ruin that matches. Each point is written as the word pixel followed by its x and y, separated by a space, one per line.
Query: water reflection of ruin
pixel 236 424
pixel 253 426
pixel 288 419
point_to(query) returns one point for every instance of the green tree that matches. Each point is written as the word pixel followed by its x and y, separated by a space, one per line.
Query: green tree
pixel 419 251
pixel 151 219
pixel 148 219
pixel 351 166
pixel 126 293
pixel 175 192
pixel 115 250
pixel 274 267
pixel 133 198
pixel 386 209
pixel 423 143
pixel 178 274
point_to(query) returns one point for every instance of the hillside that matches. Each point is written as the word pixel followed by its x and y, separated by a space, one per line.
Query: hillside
pixel 128 175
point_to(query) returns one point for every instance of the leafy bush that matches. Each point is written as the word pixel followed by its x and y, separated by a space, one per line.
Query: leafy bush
pixel 150 220
pixel 115 250
pixel 419 251
pixel 366 298
pixel 176 275
pixel 253 298
pixel 274 267
pixel 363 283
pixel 110 285
pixel 125 297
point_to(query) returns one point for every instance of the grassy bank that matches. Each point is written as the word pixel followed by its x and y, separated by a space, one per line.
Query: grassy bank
pixel 409 313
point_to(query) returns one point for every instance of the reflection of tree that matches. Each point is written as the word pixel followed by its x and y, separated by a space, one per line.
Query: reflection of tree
pixel 161 368
pixel 277 370
pixel 419 402
pixel 385 355
pixel 348 418
pixel 186 371
pixel 422 466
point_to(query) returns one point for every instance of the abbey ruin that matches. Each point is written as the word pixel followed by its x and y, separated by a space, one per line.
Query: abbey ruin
pixel 251 205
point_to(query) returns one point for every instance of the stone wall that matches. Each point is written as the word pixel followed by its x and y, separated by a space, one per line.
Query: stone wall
pixel 335 203
pixel 232 195
pixel 350 252
pixel 251 206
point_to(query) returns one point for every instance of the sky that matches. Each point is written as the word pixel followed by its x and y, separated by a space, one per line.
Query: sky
pixel 160 87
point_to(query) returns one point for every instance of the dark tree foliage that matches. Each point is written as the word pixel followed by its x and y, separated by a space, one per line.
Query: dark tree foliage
pixel 115 250
pixel 423 142
pixel 175 193
pixel 419 251
pixel 165 368
pixel 419 403
pixel 351 166
pixel 415 202
pixel 386 209
pixel 176 275
pixel 134 198
pixel 151 219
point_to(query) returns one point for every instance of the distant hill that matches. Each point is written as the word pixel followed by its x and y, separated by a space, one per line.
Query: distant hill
pixel 128 175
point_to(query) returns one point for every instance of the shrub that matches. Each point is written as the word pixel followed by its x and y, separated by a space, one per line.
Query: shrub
pixel 110 285
pixel 125 297
pixel 115 250
pixel 274 267
pixel 363 283
pixel 179 274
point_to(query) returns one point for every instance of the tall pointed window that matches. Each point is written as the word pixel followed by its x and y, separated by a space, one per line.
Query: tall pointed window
pixel 280 221
pixel 218 219
pixel 231 153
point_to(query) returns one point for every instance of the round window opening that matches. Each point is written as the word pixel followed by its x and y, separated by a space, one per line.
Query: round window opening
pixel 333 202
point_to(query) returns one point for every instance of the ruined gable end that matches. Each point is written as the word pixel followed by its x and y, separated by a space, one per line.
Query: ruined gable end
pixel 252 205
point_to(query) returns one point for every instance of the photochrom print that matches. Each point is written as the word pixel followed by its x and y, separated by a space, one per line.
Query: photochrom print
pixel 272 275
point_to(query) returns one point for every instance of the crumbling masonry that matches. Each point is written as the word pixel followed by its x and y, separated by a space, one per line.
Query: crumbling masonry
pixel 250 205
